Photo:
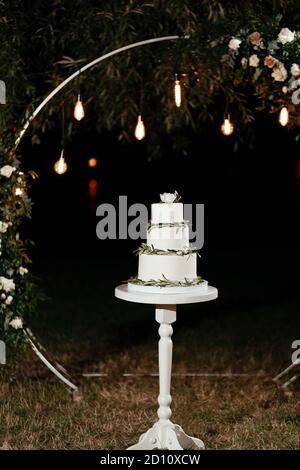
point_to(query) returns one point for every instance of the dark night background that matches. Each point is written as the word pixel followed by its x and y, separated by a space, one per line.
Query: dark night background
pixel 251 199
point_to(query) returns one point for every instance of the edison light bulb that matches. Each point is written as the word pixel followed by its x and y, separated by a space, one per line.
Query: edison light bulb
pixel 177 91
pixel 283 116
pixel 60 166
pixel 79 109
pixel 227 126
pixel 140 132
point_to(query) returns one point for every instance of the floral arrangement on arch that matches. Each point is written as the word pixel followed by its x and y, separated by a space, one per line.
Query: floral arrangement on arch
pixel 18 294
pixel 273 60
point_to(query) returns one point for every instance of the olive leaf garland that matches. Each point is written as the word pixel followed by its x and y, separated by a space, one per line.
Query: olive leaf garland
pixel 164 282
pixel 146 249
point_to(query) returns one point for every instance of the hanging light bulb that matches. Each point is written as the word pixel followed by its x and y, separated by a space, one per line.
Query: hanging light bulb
pixel 60 166
pixel 140 131
pixel 177 91
pixel 283 116
pixel 79 109
pixel 227 126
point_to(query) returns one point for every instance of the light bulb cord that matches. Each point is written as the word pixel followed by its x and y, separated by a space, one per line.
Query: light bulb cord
pixel 63 125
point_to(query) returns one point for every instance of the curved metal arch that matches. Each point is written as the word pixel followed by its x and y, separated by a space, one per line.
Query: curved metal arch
pixel 27 332
pixel 83 69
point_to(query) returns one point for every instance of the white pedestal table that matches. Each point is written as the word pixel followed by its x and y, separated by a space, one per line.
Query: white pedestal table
pixel 164 434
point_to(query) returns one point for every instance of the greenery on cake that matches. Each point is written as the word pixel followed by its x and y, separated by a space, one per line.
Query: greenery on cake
pixel 164 282
pixel 177 197
pixel 146 249
pixel 177 225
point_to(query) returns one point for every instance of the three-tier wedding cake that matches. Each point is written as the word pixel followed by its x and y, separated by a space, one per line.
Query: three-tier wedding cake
pixel 167 263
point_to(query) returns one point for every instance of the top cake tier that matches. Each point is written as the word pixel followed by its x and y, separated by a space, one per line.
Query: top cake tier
pixel 164 213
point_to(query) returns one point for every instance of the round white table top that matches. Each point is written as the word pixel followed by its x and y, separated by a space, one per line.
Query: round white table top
pixel 122 292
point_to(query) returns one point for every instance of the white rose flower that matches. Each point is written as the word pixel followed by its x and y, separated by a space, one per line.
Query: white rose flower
pixel 23 271
pixel 18 192
pixel 9 300
pixel 286 35
pixel 234 43
pixel 279 72
pixel 7 171
pixel 3 227
pixel 16 323
pixel 167 197
pixel 253 60
pixel 7 284
pixel 295 70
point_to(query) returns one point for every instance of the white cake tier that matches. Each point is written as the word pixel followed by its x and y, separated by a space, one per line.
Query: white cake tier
pixel 168 238
pixel 173 267
pixel 166 213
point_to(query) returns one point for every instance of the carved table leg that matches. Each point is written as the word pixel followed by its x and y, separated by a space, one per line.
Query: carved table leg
pixel 164 434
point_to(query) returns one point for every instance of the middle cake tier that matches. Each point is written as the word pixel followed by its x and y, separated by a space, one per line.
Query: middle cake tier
pixel 168 237
pixel 172 266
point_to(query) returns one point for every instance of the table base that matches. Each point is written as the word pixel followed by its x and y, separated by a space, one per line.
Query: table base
pixel 167 435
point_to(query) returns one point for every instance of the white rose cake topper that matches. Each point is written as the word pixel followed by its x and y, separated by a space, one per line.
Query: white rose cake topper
pixel 169 198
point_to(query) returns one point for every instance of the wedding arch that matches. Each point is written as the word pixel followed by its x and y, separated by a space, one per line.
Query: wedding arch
pixel 38 349
pixel 227 56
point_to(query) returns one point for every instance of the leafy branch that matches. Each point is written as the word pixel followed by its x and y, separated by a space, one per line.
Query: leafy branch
pixel 164 282
pixel 146 249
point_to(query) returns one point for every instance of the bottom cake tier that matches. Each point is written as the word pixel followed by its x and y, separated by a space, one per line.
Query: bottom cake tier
pixel 173 267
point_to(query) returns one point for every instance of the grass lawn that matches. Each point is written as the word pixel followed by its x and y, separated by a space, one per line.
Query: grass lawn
pixel 246 331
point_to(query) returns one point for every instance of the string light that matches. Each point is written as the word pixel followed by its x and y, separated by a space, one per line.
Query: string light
pixel 92 162
pixel 227 127
pixel 140 131
pixel 283 116
pixel 60 167
pixel 79 109
pixel 177 91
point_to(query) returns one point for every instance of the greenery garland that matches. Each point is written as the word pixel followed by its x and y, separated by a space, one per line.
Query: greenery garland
pixel 176 225
pixel 146 249
pixel 164 282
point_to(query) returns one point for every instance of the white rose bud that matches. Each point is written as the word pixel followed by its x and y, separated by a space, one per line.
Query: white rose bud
pixel 286 35
pixel 253 60
pixel 295 70
pixel 9 300
pixel 23 271
pixel 16 323
pixel 234 44
pixel 7 284
pixel 279 72
pixel 7 171
pixel 3 227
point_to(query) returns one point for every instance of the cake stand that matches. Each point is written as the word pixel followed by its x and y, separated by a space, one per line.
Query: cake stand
pixel 164 434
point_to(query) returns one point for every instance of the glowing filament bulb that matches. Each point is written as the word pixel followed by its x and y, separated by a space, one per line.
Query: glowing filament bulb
pixel 140 132
pixel 79 109
pixel 60 166
pixel 283 116
pixel 177 91
pixel 227 126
